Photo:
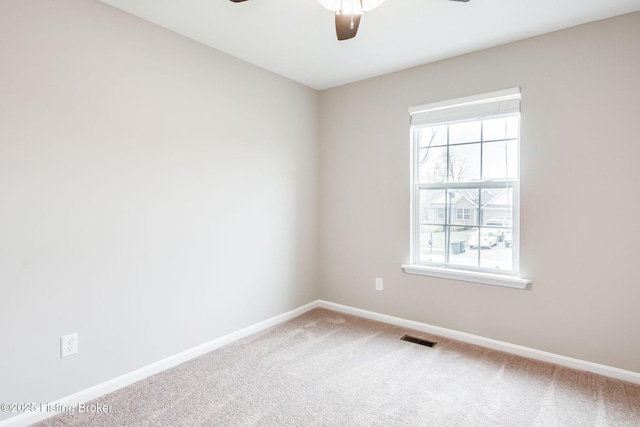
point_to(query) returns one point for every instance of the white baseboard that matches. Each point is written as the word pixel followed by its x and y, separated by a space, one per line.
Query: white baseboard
pixel 112 385
pixel 569 362
pixel 139 374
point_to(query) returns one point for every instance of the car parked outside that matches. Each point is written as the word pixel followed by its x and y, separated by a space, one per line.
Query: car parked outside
pixel 499 232
pixel 484 239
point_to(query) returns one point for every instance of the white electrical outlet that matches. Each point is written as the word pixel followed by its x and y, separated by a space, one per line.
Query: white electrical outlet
pixel 378 284
pixel 68 345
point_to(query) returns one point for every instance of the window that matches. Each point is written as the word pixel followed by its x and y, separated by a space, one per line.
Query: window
pixel 463 214
pixel 465 186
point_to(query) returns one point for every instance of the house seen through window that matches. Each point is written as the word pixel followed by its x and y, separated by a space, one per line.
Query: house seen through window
pixel 465 183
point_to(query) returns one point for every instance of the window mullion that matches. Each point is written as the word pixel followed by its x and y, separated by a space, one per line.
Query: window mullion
pixel 447 198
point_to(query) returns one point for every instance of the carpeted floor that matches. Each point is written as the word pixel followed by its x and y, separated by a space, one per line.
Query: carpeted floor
pixel 329 369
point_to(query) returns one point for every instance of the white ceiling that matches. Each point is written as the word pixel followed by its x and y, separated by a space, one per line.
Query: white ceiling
pixel 296 38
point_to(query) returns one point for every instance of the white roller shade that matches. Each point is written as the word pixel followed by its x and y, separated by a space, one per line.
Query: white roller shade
pixel 470 107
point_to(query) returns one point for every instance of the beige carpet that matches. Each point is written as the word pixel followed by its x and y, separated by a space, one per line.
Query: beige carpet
pixel 329 369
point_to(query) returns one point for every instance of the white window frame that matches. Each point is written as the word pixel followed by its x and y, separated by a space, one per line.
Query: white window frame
pixel 469 108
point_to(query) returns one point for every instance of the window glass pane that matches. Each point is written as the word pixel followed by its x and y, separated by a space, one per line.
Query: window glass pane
pixel 432 136
pixel 432 164
pixel 494 129
pixel 464 207
pixel 464 163
pixel 461 253
pixel 500 159
pixel 432 206
pixel 513 126
pixel 499 256
pixel 464 132
pixel 497 209
pixel 500 128
pixel 432 240
pixel 469 256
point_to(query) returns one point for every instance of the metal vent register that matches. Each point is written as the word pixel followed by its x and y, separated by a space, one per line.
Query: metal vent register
pixel 417 340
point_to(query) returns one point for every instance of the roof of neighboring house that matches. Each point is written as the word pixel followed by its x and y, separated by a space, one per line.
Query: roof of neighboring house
pixel 503 198
pixel 441 198
pixel 496 198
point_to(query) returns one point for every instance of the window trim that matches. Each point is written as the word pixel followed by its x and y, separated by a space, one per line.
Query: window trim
pixel 467 276
pixel 491 104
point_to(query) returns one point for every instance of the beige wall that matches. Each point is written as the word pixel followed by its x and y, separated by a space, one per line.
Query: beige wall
pixel 580 235
pixel 154 194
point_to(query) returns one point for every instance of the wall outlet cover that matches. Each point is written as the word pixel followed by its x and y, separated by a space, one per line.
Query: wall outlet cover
pixel 68 345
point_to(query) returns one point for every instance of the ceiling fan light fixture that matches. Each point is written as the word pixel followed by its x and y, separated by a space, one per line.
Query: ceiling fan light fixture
pixel 352 7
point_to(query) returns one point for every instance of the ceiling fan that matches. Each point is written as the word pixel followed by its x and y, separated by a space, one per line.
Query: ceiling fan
pixel 348 13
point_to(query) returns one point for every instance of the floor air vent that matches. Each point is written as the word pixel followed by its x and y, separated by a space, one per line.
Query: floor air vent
pixel 417 340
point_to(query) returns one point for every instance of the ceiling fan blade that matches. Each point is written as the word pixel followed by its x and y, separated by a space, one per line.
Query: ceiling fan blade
pixel 240 1
pixel 346 25
pixel 461 0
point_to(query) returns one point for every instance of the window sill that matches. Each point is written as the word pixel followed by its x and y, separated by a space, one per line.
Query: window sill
pixel 467 276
